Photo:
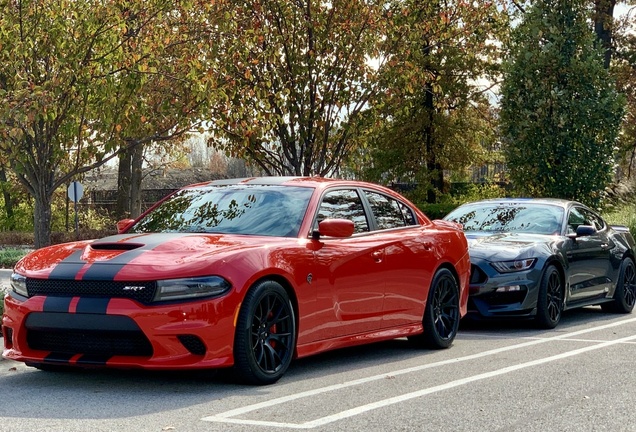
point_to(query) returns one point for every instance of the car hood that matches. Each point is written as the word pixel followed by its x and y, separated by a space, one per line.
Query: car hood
pixel 140 256
pixel 507 246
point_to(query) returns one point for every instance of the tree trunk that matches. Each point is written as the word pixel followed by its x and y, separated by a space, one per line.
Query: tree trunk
pixel 42 217
pixel 604 12
pixel 8 201
pixel 124 178
pixel 135 180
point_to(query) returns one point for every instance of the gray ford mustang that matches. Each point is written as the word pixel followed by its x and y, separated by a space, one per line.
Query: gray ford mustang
pixel 534 258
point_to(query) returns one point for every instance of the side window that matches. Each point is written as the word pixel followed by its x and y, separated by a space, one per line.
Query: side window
pixel 343 204
pixel 580 216
pixel 575 218
pixel 593 219
pixel 409 216
pixel 387 211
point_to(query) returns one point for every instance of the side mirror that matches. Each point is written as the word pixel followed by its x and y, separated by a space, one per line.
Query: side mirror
pixel 584 231
pixel 123 225
pixel 339 228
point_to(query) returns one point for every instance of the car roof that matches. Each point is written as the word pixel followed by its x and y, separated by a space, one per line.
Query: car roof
pixel 313 182
pixel 546 201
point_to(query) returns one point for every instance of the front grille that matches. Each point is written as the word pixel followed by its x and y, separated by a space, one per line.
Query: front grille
pixel 92 288
pixel 101 335
pixel 102 343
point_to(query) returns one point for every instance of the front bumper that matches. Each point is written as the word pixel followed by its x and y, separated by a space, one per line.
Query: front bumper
pixel 122 333
pixel 502 295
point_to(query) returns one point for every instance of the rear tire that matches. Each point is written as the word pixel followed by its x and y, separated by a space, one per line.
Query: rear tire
pixel 550 301
pixel 625 293
pixel 265 337
pixel 441 316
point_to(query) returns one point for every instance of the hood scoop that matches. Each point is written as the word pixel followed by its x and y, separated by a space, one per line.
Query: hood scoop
pixel 115 246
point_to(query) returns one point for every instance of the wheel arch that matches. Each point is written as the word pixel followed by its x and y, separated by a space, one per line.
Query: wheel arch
pixel 451 268
pixel 463 293
pixel 558 264
pixel 291 293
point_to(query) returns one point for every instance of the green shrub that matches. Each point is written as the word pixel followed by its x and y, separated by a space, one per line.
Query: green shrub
pixel 3 291
pixel 10 256
pixel 437 211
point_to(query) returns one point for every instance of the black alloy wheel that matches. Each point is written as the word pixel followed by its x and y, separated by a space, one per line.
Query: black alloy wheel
pixel 265 334
pixel 550 301
pixel 625 293
pixel 441 317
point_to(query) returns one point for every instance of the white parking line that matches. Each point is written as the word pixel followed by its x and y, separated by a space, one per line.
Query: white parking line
pixel 228 416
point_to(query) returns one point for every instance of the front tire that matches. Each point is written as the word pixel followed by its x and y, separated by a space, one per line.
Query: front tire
pixel 550 301
pixel 625 294
pixel 441 317
pixel 265 337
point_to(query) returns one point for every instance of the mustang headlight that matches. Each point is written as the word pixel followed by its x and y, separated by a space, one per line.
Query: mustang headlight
pixel 190 288
pixel 18 284
pixel 513 266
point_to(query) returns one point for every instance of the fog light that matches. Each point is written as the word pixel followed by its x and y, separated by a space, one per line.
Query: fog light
pixel 511 288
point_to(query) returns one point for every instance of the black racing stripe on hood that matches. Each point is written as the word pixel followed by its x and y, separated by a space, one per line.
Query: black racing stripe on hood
pixel 93 360
pixel 57 304
pixel 59 357
pixel 68 267
pixel 90 305
pixel 107 270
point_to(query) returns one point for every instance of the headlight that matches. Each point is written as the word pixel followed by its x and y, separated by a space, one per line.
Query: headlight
pixel 18 284
pixel 180 289
pixel 513 266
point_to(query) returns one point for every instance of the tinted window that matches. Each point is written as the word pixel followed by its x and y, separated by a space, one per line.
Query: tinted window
pixel 388 212
pixel 343 204
pixel 243 209
pixel 533 218
pixel 581 216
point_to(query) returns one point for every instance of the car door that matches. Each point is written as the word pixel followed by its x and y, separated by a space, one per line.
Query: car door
pixel 349 272
pixel 588 256
pixel 408 259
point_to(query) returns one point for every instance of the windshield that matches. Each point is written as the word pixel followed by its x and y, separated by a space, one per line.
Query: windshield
pixel 238 209
pixel 532 218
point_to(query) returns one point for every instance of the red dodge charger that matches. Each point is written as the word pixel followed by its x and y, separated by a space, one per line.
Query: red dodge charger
pixel 244 273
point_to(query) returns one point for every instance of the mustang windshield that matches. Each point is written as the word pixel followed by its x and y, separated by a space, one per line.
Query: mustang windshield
pixel 534 218
pixel 237 209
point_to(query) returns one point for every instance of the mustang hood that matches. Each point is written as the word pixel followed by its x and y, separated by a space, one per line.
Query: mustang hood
pixel 136 256
pixel 506 246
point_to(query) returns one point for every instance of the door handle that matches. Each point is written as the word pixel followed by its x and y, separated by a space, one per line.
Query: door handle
pixel 378 255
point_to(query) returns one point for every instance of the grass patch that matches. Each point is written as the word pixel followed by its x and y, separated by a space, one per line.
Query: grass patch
pixel 624 215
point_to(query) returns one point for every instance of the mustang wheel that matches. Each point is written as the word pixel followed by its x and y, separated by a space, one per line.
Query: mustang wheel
pixel 625 294
pixel 550 301
pixel 441 317
pixel 265 334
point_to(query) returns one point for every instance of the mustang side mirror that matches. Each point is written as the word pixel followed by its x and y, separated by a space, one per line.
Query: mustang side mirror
pixel 333 228
pixel 123 224
pixel 583 231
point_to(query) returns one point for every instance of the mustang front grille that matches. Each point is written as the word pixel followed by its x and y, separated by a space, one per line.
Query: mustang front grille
pixel 143 292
